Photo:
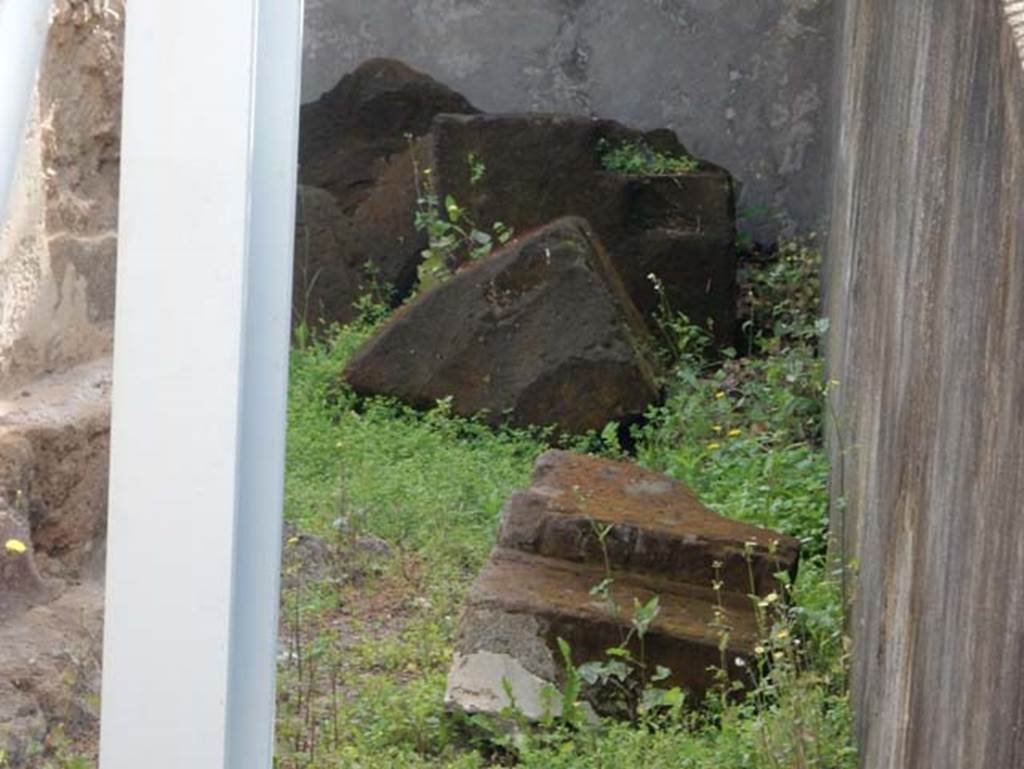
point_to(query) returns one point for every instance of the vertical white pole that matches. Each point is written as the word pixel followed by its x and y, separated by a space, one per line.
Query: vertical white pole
pixel 23 25
pixel 200 362
pixel 251 694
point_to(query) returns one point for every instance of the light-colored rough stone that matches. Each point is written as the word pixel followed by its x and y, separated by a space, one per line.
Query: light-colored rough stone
pixel 511 634
pixel 481 682
pixel 926 298
pixel 58 243
pixel 744 82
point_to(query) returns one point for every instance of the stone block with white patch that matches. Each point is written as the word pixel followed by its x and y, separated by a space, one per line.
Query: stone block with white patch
pixel 589 542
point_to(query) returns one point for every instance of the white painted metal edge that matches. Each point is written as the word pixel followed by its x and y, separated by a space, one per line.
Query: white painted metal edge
pixel 200 352
pixel 251 692
pixel 23 26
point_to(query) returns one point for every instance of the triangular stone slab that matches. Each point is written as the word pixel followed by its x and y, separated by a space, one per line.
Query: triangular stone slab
pixel 538 333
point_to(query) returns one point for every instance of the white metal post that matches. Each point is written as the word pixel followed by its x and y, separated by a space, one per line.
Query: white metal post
pixel 23 26
pixel 200 374
pixel 251 694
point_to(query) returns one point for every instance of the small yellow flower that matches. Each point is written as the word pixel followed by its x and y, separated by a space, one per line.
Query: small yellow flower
pixel 15 546
pixel 293 540
pixel 716 428
pixel 782 635
pixel 758 649
pixel 733 433
pixel 713 446
pixel 771 597
pixel 719 395
pixel 779 655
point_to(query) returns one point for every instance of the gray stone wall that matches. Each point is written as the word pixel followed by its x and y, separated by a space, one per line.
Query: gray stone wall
pixel 743 82
pixel 926 294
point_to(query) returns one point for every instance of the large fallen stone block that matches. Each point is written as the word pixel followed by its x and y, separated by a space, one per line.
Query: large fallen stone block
pixel 326 282
pixel 355 225
pixel 679 227
pixel 348 134
pixel 554 597
pixel 355 145
pixel 382 238
pixel 539 584
pixel 696 271
pixel 656 526
pixel 538 333
pixel 340 258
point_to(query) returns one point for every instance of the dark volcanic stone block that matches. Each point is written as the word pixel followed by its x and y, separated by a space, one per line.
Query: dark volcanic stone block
pixel 539 585
pixel 348 133
pixel 539 333
pixel 683 637
pixel 538 167
pixel 696 270
pixel 325 282
pixel 658 526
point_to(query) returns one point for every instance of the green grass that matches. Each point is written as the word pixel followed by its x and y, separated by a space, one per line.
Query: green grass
pixel 432 486
pixel 375 641
pixel 367 640
pixel 427 482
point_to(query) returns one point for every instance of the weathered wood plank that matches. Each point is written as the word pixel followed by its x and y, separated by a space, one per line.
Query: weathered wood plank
pixel 926 294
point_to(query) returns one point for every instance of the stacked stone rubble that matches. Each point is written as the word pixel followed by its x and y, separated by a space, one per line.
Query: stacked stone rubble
pixel 583 521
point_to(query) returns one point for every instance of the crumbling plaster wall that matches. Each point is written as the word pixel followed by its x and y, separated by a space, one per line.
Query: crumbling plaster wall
pixel 744 82
pixel 926 299
pixel 58 241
